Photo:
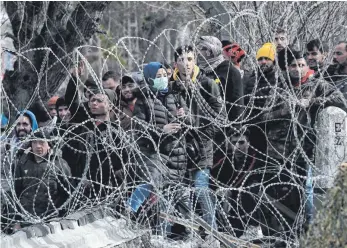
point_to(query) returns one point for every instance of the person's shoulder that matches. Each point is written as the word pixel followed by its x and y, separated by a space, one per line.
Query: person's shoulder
pixel 204 80
pixel 62 164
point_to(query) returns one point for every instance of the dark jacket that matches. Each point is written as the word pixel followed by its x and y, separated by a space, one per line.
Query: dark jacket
pixel 39 186
pixel 68 143
pixel 124 114
pixel 103 155
pixel 205 103
pixel 158 112
pixel 286 136
pixel 257 88
pixel 79 111
pixel 235 172
pixel 206 107
pixel 229 79
pixel 337 78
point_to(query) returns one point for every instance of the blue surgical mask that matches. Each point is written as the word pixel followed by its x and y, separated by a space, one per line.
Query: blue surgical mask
pixel 160 83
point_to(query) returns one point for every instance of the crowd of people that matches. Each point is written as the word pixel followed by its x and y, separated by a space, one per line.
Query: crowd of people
pixel 203 131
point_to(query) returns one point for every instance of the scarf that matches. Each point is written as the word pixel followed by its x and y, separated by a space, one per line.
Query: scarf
pixel 214 56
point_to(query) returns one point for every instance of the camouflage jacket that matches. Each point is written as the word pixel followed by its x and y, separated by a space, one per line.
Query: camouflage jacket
pixel 291 114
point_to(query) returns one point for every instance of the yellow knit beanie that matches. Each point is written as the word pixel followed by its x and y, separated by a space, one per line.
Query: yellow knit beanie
pixel 268 50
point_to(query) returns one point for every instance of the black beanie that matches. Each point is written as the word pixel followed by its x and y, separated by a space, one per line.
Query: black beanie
pixel 60 102
pixel 42 134
pixel 225 43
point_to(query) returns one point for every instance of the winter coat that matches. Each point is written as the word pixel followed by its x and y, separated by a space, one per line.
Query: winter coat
pixel 257 88
pixel 205 104
pixel 287 138
pixel 158 112
pixel 68 144
pixel 230 82
pixel 124 114
pixel 338 79
pixel 11 149
pixel 38 186
pixel 103 155
pixel 235 172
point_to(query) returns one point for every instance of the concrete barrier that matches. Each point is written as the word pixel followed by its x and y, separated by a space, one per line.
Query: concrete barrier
pixel 94 229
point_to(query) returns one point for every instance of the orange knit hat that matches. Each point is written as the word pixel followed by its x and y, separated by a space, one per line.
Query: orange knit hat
pixel 52 100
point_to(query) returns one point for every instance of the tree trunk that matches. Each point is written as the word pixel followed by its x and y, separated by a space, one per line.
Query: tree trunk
pixel 45 36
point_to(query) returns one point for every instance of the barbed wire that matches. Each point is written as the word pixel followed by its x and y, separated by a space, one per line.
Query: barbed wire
pixel 266 187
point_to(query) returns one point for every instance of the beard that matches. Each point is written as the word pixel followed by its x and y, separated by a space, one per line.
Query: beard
pixel 21 133
pixel 266 68
pixel 128 98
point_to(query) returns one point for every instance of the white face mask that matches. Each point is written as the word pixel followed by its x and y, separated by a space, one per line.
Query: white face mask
pixel 160 83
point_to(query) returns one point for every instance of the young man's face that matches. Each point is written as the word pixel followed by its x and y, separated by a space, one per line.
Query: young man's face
pixel 110 84
pixel 298 68
pixel 23 127
pixel 52 110
pixel 185 64
pixel 64 113
pixel 40 148
pixel 240 146
pixel 281 41
pixel 99 104
pixel 127 91
pixel 314 58
pixel 340 55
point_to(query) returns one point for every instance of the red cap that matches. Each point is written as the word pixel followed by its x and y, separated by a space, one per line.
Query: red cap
pixel 53 100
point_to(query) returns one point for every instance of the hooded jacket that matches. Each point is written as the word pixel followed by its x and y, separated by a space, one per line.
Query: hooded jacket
pixel 34 124
pixel 157 112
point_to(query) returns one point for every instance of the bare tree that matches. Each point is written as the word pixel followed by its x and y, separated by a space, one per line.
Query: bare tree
pixel 45 34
